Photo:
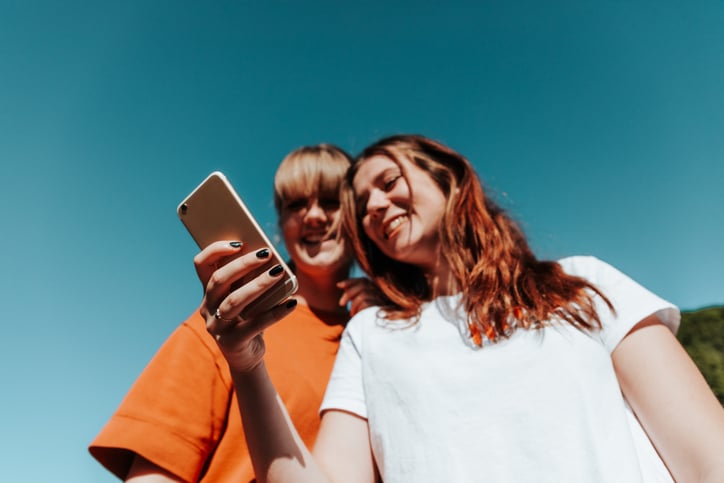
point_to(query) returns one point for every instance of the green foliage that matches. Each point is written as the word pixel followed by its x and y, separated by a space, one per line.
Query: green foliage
pixel 702 335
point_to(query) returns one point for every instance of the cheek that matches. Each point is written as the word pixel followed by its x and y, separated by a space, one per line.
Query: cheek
pixel 343 251
pixel 289 228
pixel 334 215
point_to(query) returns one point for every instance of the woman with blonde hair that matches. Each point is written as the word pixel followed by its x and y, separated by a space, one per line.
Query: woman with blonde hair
pixel 180 421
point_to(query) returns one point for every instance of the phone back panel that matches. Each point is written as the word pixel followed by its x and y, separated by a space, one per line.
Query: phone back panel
pixel 213 212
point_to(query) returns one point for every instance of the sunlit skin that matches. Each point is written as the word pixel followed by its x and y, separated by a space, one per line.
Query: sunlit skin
pixel 307 226
pixel 400 213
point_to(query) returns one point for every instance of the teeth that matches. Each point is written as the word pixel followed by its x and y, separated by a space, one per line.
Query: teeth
pixel 394 224
pixel 313 237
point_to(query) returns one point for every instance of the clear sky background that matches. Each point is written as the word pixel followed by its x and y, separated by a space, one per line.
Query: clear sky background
pixel 599 124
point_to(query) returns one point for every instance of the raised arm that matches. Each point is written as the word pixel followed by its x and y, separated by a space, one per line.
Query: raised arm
pixel 278 453
pixel 342 452
pixel 672 401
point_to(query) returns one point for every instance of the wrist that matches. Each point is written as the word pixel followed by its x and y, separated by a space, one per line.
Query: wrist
pixel 249 375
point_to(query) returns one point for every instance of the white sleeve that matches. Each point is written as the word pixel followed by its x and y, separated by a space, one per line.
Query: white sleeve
pixel 345 390
pixel 631 301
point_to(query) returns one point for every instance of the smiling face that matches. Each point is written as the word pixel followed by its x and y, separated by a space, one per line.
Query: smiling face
pixel 306 195
pixel 309 227
pixel 401 209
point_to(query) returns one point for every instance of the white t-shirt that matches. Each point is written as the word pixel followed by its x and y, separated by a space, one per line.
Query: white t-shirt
pixel 542 406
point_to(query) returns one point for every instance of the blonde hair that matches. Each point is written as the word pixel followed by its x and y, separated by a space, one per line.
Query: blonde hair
pixel 310 170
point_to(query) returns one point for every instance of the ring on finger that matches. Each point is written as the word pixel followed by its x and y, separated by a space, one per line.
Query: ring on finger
pixel 217 316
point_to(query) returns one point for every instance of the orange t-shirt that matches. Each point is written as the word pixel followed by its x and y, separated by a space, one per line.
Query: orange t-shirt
pixel 182 413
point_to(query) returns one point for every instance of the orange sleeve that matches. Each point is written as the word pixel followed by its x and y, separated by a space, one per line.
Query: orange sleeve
pixel 175 412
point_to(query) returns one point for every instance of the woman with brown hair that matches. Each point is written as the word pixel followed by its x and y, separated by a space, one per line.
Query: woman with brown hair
pixel 484 363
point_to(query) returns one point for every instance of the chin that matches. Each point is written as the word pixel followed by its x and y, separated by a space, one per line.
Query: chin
pixel 324 258
pixel 331 268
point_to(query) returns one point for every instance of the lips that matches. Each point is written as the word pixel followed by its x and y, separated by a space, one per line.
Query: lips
pixel 317 237
pixel 392 225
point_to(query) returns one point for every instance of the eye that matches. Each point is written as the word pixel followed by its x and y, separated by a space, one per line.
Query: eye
pixel 329 204
pixel 389 183
pixel 296 205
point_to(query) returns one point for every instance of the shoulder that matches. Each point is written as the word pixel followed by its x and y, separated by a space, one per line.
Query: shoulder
pixel 359 326
pixel 632 301
pixel 587 266
pixel 599 273
pixel 363 319
pixel 614 283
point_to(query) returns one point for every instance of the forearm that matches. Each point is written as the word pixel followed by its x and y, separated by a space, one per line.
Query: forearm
pixel 277 452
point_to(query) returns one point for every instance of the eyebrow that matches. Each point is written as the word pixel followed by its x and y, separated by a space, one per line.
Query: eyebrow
pixel 376 181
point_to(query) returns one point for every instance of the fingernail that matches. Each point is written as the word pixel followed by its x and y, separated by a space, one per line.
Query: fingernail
pixel 235 244
pixel 263 253
pixel 291 303
pixel 276 270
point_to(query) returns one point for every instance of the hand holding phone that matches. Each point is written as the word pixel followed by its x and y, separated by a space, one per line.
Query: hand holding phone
pixel 214 211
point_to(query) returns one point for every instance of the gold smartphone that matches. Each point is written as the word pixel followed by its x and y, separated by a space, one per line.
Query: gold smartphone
pixel 214 211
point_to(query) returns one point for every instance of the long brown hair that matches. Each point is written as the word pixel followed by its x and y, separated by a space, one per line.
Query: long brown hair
pixel 504 286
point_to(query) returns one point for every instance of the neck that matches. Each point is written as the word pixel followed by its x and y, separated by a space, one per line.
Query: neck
pixel 441 280
pixel 319 291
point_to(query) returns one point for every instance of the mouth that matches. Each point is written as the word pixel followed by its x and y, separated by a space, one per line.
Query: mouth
pixel 391 226
pixel 316 238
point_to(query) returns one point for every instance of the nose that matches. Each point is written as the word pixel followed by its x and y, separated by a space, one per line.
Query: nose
pixel 315 213
pixel 377 202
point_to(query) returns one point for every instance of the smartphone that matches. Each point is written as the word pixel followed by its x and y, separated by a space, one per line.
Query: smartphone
pixel 214 211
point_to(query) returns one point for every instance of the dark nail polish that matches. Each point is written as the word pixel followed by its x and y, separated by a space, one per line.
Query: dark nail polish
pixel 235 244
pixel 276 270
pixel 263 253
pixel 291 303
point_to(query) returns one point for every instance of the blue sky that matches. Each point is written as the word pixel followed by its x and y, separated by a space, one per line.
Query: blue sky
pixel 598 124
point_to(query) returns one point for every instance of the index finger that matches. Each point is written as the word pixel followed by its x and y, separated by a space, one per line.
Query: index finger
pixel 208 260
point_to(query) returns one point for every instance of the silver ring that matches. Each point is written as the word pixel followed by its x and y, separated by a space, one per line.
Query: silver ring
pixel 218 316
